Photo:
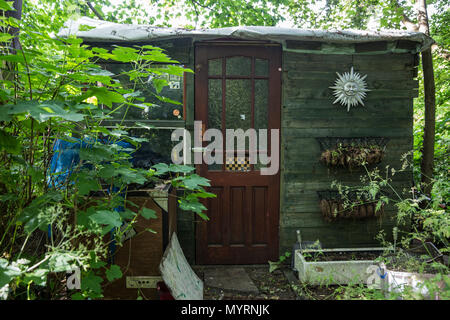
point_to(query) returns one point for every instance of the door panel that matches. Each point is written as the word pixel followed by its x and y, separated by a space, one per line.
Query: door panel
pixel 238 87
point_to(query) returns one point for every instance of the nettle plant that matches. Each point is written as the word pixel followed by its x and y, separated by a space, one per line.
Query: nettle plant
pixel 53 90
pixel 418 221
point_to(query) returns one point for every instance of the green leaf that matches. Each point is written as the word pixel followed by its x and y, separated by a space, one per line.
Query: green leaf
pixel 42 111
pixel 85 184
pixel 193 181
pixel 125 54
pixel 7 5
pixel 159 84
pixel 177 168
pixel 194 206
pixel 113 273
pixel 7 272
pixel 105 217
pixel 103 95
pixel 148 213
pixel 161 168
pixel 273 266
pixel 92 282
pixel 9 143
pixel 127 214
pixel 38 276
pixel 61 261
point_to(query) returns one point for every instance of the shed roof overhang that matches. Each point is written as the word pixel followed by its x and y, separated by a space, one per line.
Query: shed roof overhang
pixel 103 31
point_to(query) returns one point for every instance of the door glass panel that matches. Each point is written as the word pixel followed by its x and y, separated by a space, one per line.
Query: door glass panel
pixel 215 103
pixel 261 103
pixel 237 163
pixel 262 67
pixel 238 104
pixel 239 66
pixel 238 115
pixel 261 110
pixel 215 111
pixel 215 67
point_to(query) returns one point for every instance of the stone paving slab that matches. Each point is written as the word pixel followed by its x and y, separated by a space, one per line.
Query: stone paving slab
pixel 229 278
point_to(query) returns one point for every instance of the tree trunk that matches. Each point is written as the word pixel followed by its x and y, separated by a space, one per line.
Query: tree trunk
pixel 7 72
pixel 17 15
pixel 427 162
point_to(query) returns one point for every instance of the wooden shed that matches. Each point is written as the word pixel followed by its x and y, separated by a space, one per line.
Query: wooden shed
pixel 280 78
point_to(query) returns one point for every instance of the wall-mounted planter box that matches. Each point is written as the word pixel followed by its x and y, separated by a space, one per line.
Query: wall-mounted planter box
pixel 332 207
pixel 335 266
pixel 351 152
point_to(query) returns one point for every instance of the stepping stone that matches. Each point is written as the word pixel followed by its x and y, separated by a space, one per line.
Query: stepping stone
pixel 229 278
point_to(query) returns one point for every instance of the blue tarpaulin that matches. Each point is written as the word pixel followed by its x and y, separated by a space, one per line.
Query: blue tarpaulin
pixel 65 159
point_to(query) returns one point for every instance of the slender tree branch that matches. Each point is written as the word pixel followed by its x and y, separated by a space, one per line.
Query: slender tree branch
pixel 95 11
pixel 407 21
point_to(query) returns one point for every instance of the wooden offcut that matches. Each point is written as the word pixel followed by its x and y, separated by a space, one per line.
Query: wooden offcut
pixel 141 255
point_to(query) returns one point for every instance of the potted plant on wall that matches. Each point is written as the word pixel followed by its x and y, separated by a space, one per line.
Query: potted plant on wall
pixel 351 152
pixel 356 205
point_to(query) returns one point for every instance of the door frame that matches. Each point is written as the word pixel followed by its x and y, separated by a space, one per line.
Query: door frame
pixel 274 55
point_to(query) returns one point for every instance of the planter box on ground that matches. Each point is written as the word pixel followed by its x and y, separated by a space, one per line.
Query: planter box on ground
pixel 314 271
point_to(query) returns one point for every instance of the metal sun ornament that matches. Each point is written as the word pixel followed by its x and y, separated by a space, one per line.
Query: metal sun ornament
pixel 350 89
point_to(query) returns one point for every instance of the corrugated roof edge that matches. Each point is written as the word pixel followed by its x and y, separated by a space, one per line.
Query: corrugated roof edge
pixel 103 31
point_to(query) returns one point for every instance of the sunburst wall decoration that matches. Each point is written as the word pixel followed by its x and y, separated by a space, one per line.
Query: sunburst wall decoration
pixel 350 89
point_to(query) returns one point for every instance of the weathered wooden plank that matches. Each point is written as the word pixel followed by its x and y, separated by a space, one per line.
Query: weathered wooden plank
pixel 309 219
pixel 351 235
pixel 372 84
pixel 360 63
pixel 323 108
pixel 406 44
pixel 331 74
pixel 343 122
pixel 387 104
pixel 303 45
pixel 370 46
pixel 291 94
pixel 300 187
pixel 290 58
pixel 346 132
pixel 339 113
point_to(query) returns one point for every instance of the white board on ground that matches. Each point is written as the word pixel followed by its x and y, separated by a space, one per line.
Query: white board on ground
pixel 178 275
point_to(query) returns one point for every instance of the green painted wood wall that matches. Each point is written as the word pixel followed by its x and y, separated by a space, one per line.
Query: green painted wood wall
pixel 308 112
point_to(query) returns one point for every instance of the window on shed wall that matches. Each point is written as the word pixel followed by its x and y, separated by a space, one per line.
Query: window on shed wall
pixel 163 116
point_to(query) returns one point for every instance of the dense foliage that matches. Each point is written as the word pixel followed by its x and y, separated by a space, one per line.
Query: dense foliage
pixel 53 93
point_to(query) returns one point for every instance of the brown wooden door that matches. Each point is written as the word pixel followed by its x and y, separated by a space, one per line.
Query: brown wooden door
pixel 238 87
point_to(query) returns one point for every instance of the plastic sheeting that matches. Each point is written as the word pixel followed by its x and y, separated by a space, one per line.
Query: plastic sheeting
pixel 103 31
pixel 66 157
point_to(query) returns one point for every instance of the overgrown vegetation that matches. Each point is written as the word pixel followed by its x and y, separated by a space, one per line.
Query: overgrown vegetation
pixel 53 93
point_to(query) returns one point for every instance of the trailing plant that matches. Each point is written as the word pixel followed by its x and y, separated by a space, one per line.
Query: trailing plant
pixel 355 205
pixel 52 91
pixel 351 156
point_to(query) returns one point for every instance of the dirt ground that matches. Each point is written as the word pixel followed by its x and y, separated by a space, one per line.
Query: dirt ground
pixel 281 284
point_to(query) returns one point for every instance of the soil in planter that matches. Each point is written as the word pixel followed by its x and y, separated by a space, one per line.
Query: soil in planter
pixel 411 263
pixel 340 256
